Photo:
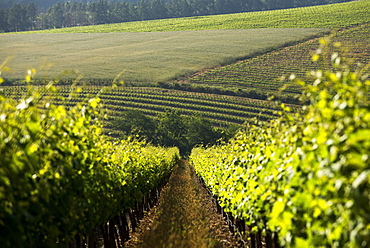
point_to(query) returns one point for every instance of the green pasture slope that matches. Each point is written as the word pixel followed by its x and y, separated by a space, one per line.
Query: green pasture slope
pixel 143 57
pixel 149 55
pixel 139 53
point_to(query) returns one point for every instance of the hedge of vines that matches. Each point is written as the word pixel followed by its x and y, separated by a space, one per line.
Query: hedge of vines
pixel 306 175
pixel 60 177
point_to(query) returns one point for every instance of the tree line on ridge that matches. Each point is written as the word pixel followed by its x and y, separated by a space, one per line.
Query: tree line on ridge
pixel 28 16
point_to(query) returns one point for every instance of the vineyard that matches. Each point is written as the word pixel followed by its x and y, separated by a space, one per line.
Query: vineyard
pixel 61 178
pixel 246 75
pixel 297 174
pixel 221 110
pixel 237 92
pixel 237 88
pixel 303 178
pixel 61 175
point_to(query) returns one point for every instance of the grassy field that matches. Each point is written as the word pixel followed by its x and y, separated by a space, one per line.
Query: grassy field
pixel 324 16
pixel 144 57
pixel 105 51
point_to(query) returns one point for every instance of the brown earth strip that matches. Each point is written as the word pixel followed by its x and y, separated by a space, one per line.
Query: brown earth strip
pixel 184 217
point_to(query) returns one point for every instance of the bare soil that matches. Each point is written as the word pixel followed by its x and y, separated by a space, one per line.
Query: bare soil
pixel 184 217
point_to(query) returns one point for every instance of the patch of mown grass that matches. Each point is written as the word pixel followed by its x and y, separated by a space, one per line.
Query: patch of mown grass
pixel 143 57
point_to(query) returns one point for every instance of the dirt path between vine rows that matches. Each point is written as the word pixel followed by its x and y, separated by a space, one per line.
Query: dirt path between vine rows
pixel 184 217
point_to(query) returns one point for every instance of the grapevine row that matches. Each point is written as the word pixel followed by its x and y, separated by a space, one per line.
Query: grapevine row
pixel 304 178
pixel 60 177
pixel 210 106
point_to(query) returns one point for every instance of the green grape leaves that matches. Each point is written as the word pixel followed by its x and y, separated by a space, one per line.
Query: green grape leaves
pixel 305 176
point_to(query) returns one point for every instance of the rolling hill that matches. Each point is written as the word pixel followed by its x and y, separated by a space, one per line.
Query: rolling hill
pixel 226 94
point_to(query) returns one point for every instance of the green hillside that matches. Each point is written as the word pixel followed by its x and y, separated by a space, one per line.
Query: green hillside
pixel 323 16
pixel 220 109
pixel 141 57
pixel 161 56
pixel 257 77
pixel 261 76
pixel 233 93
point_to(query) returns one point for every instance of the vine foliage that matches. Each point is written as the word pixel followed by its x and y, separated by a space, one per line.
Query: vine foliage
pixel 60 177
pixel 306 175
